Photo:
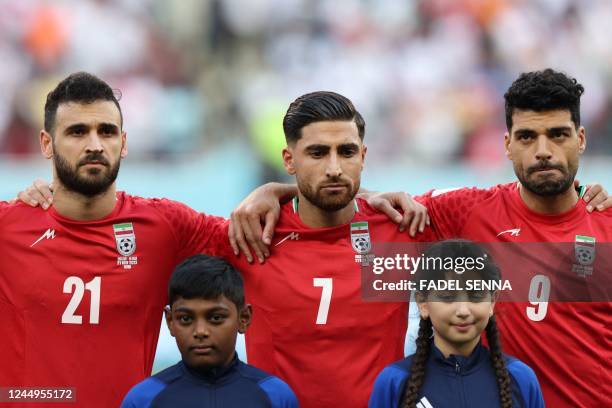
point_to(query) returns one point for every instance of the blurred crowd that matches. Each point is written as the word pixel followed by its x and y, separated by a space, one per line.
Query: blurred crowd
pixel 428 76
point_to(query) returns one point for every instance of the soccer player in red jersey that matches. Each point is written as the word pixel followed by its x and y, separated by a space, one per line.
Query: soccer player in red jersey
pixel 82 285
pixel 311 327
pixel 568 344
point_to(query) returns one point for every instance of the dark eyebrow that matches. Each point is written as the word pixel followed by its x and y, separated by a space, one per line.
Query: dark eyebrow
pixel 314 147
pixel 524 131
pixel 348 146
pixel 560 129
pixel 76 127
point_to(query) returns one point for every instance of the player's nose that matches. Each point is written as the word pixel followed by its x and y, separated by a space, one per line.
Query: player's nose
pixel 94 142
pixel 462 309
pixel 543 148
pixel 333 166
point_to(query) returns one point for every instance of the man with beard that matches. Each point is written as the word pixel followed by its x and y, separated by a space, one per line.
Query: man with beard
pixel 82 285
pixel 311 327
pixel 567 344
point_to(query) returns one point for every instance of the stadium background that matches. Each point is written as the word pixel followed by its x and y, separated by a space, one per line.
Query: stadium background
pixel 205 85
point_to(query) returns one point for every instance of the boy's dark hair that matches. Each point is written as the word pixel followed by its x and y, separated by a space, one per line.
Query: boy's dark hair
pixel 206 277
pixel 544 91
pixel 80 87
pixel 455 249
pixel 319 106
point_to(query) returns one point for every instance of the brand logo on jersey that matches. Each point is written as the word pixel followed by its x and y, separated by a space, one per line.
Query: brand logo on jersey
pixel 584 250
pixel 125 238
pixel 294 235
pixel 360 237
pixel 424 403
pixel 513 232
pixel 48 234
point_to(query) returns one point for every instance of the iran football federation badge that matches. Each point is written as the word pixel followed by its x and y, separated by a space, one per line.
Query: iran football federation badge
pixel 360 237
pixel 584 250
pixel 125 238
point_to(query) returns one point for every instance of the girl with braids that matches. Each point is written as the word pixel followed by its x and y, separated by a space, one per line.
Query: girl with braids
pixel 451 368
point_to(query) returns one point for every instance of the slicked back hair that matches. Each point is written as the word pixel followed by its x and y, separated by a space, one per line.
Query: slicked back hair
pixel 541 91
pixel 319 106
pixel 80 87
pixel 206 277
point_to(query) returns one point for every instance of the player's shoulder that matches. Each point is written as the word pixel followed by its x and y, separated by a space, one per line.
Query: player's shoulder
pixel 19 212
pixel 365 212
pixel 472 193
pixel 396 372
pixel 143 393
pixel 519 370
pixel 278 391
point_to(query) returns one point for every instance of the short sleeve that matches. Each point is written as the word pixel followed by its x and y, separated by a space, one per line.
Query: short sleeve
pixel 195 232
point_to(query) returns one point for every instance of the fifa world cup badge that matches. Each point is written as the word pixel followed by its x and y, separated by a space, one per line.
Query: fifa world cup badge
pixel 125 238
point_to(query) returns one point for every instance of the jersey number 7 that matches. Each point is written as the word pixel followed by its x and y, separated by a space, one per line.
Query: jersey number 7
pixel 326 293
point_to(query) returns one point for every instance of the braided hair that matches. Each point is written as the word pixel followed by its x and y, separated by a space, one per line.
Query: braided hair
pixel 455 249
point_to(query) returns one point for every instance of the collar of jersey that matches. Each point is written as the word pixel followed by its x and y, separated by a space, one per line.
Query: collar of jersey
pixel 214 375
pixel 466 364
pixel 570 215
pixel 118 206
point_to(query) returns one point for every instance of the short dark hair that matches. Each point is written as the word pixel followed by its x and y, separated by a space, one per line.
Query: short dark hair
pixel 80 87
pixel 206 277
pixel 544 91
pixel 319 106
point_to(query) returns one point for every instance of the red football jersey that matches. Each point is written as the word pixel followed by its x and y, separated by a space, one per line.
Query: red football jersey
pixel 81 302
pixel 310 325
pixel 569 345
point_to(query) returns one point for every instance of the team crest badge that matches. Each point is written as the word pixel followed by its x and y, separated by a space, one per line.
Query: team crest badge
pixel 584 250
pixel 125 238
pixel 360 237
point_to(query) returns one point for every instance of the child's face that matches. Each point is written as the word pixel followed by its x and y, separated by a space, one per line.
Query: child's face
pixel 458 319
pixel 205 330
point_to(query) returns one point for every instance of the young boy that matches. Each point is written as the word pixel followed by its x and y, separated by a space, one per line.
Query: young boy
pixel 206 311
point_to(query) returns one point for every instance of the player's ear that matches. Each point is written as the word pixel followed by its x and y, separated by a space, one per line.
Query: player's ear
pixel 288 160
pixel 168 316
pixel 423 305
pixel 244 318
pixel 46 144
pixel 507 145
pixel 124 146
pixel 581 140
pixel 364 150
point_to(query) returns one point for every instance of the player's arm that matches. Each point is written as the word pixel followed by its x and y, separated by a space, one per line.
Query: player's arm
pixel 401 208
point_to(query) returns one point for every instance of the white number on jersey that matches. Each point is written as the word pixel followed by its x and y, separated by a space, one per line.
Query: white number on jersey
pixel 93 287
pixel 539 293
pixel 326 293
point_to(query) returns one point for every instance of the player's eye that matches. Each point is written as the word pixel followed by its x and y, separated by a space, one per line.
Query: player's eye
pixel 445 296
pixel 524 136
pixel 348 152
pixel 185 319
pixel 559 134
pixel 217 318
pixel 317 154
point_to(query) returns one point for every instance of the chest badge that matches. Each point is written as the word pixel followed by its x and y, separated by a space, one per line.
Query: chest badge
pixel 125 238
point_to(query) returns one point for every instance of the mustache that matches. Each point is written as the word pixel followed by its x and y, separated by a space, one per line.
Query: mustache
pixel 93 157
pixel 545 165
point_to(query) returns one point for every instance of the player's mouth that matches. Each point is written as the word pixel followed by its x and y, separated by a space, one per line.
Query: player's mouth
pixel 202 349
pixel 463 327
pixel 334 188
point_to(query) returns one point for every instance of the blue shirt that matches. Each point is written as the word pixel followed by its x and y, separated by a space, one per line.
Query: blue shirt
pixel 457 382
pixel 238 385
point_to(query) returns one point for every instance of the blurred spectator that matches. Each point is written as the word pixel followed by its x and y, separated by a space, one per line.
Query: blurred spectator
pixel 427 75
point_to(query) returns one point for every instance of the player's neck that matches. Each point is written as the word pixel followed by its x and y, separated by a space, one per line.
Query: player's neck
pixel 550 205
pixel 316 217
pixel 78 207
